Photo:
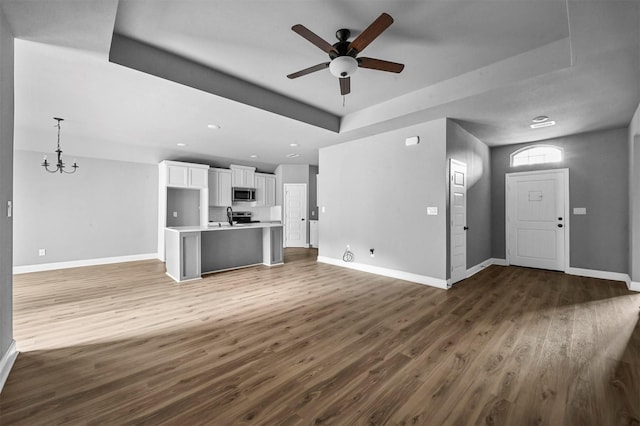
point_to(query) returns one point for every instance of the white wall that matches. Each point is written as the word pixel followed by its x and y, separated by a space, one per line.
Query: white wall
pixel 106 209
pixel 634 197
pixel 375 192
pixel 6 194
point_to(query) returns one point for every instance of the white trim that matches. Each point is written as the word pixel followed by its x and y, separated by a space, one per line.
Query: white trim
pixel 633 285
pixel 392 273
pixel 480 266
pixel 7 362
pixel 604 275
pixel 78 263
pixel 499 262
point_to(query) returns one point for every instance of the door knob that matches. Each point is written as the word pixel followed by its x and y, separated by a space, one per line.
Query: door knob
pixel 465 228
pixel 302 218
pixel 559 225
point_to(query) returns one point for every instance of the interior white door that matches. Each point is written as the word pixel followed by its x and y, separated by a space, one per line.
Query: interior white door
pixel 295 214
pixel 458 213
pixel 537 219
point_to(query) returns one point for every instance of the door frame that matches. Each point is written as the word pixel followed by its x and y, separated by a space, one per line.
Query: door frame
pixel 567 226
pixel 453 162
pixel 284 213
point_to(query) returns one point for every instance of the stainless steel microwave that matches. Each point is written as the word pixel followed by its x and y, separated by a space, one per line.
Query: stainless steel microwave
pixel 244 194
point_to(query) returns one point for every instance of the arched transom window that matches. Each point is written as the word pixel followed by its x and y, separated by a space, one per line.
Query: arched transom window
pixel 537 154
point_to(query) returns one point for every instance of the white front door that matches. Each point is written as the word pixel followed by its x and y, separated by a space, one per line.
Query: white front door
pixel 295 215
pixel 537 205
pixel 458 212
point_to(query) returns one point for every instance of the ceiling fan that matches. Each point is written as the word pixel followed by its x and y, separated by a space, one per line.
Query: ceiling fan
pixel 344 54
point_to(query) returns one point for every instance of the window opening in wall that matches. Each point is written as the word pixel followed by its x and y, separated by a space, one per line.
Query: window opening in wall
pixel 538 154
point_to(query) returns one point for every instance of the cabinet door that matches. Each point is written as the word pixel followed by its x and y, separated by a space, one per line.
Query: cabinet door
pixel 177 176
pixel 198 178
pixel 248 178
pixel 260 190
pixel 224 188
pixel 270 191
pixel 237 178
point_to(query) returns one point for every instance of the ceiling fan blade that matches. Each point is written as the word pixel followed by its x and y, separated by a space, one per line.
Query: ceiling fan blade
pixel 368 35
pixel 309 70
pixel 313 38
pixel 345 85
pixel 380 65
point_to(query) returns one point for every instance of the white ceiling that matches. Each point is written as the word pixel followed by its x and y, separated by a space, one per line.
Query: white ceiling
pixel 491 65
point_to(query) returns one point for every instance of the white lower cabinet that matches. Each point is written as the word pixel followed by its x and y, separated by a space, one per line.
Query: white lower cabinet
pixel 183 255
pixel 313 233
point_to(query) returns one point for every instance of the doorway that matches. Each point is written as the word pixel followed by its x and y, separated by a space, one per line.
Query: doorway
pixel 537 219
pixel 295 215
pixel 458 229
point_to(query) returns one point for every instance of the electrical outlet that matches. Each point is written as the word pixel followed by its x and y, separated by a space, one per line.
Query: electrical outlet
pixel 42 252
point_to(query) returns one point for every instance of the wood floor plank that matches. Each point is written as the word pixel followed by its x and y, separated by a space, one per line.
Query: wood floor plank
pixel 310 343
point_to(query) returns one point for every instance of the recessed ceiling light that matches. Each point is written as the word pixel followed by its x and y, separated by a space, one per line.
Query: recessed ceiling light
pixel 182 145
pixel 213 126
pixel 293 155
pixel 253 156
pixel 540 119
pixel 542 124
pixel 293 145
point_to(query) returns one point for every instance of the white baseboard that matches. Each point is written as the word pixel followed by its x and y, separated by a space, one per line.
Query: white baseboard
pixel 604 275
pixel 392 273
pixel 78 263
pixel 633 285
pixel 7 362
pixel 499 262
pixel 480 266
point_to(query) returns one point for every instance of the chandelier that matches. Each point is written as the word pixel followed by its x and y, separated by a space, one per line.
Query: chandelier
pixel 59 166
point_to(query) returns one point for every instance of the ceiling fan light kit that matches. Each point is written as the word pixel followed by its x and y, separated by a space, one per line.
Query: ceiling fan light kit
pixel 344 54
pixel 343 66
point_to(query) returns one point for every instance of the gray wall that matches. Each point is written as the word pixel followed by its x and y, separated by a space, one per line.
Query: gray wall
pixel 598 180
pixel 106 209
pixel 634 197
pixel 313 195
pixel 376 191
pixel 463 146
pixel 186 204
pixel 6 187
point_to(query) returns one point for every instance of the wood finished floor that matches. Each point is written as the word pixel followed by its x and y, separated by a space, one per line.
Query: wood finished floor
pixel 309 343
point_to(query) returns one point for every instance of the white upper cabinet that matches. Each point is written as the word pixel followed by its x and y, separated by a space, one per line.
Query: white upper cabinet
pixel 198 178
pixel 186 175
pixel 265 189
pixel 219 187
pixel 243 176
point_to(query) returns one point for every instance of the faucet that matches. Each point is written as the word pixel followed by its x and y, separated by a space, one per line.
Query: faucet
pixel 230 215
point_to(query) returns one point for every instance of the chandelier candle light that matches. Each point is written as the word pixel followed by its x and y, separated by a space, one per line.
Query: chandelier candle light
pixel 59 166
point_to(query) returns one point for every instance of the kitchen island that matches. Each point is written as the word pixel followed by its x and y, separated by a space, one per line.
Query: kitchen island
pixel 191 251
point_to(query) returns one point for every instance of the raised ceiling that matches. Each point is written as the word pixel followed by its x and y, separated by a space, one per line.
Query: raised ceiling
pixel 491 65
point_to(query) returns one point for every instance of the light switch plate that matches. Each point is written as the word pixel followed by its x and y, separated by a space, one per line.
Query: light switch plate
pixel 175 214
pixel 579 210
pixel 9 208
pixel 432 211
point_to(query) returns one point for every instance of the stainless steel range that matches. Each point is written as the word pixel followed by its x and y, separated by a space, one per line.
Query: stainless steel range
pixel 243 217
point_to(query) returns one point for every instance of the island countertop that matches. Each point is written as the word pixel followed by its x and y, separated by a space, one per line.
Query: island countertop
pixel 191 251
pixel 223 226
